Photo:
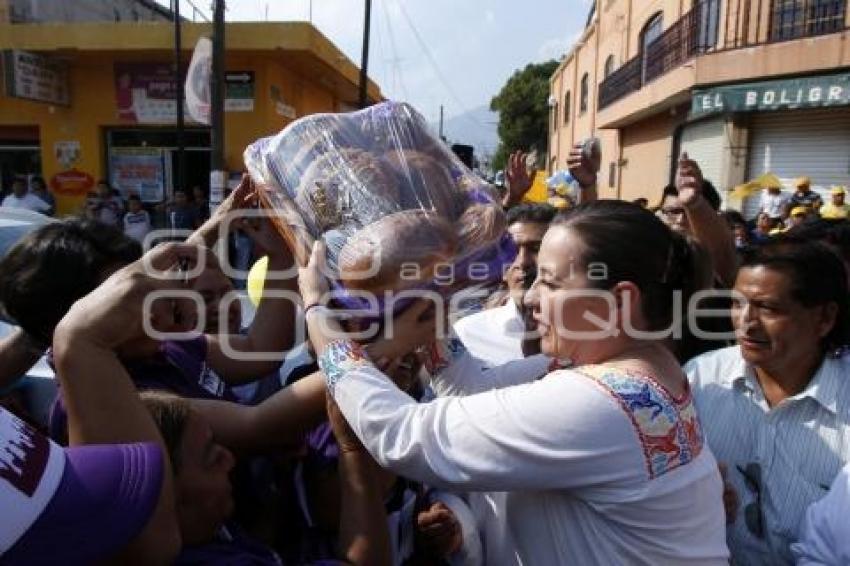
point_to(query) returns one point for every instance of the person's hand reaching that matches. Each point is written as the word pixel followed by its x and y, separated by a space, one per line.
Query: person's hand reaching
pixel 517 178
pixel 688 181
pixel 438 532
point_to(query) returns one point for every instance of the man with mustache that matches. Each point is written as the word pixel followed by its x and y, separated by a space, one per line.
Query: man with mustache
pixel 774 407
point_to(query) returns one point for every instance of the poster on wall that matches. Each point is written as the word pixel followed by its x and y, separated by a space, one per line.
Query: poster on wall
pixel 36 77
pixel 145 93
pixel 138 171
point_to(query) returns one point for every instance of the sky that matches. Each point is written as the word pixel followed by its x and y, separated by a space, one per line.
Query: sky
pixel 457 53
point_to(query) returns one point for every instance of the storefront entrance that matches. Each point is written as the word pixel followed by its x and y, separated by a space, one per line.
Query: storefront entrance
pixel 20 154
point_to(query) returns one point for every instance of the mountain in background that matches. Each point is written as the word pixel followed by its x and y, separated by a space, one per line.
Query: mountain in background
pixel 476 127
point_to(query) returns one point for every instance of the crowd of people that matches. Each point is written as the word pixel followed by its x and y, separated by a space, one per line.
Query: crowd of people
pixel 660 386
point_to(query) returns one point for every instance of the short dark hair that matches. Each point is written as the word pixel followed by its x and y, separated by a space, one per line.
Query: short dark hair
pixel 636 246
pixel 37 179
pixel 56 265
pixel 134 198
pixel 536 213
pixel 733 218
pixel 816 273
pixel 170 414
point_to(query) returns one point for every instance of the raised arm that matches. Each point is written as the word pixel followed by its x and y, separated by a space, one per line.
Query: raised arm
pixel 102 403
pixel 241 358
pixel 18 353
pixel 708 228
pixel 278 422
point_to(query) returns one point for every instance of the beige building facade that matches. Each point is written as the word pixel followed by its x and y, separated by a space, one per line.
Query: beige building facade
pixel 743 86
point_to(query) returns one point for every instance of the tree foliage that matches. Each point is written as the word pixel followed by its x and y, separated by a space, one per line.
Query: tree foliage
pixel 523 110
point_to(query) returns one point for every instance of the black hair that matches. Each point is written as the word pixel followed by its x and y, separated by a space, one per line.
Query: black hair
pixel 56 265
pixel 817 277
pixel 37 179
pixel 134 198
pixel 536 213
pixel 636 246
pixel 733 218
pixel 709 193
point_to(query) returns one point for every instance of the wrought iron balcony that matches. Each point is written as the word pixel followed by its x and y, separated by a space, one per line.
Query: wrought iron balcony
pixel 699 30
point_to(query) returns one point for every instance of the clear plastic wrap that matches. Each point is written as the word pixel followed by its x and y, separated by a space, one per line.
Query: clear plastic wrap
pixel 394 205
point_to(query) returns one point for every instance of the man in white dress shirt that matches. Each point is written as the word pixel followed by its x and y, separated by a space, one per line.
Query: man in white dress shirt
pixel 776 407
pixel 494 336
pixel 825 533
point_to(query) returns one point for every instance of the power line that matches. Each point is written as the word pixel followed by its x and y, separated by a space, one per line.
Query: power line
pixel 398 78
pixel 436 68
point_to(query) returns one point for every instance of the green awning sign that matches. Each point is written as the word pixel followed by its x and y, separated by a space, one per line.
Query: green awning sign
pixel 810 92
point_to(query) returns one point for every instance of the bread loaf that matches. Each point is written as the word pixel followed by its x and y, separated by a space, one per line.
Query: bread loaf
pixel 480 225
pixel 425 183
pixel 397 252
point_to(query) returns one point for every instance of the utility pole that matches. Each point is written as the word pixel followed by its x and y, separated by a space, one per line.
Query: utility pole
pixel 364 60
pixel 442 137
pixel 217 170
pixel 181 95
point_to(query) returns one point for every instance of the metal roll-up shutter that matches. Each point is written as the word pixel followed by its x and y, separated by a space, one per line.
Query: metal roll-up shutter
pixel 814 143
pixel 704 142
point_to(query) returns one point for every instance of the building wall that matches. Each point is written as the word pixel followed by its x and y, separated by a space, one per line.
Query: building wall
pixel 637 130
pixel 647 153
pixel 93 109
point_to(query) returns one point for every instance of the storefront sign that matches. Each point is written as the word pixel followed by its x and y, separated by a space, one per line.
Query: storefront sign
pixel 810 92
pixel 36 77
pixel 138 171
pixel 146 93
pixel 239 91
pixel 72 183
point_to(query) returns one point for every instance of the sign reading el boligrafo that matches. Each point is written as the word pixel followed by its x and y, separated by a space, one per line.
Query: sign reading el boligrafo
pixel 804 92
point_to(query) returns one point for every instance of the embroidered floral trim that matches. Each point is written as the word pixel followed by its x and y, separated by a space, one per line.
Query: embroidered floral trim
pixel 669 431
pixel 441 354
pixel 340 357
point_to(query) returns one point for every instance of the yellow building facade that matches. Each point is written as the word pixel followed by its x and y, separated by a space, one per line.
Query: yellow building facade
pixel 288 70
pixel 744 86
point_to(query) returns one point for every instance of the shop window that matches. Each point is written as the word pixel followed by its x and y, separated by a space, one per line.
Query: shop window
pixel 582 105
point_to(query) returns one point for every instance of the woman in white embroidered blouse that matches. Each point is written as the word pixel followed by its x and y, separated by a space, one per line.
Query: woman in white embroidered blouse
pixel 601 464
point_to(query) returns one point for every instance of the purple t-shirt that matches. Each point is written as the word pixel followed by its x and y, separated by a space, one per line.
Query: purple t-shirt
pixel 179 367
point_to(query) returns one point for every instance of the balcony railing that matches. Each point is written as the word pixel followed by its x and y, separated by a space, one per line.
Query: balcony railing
pixel 698 32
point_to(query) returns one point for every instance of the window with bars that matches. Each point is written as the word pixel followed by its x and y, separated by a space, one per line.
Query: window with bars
pixel 802 18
